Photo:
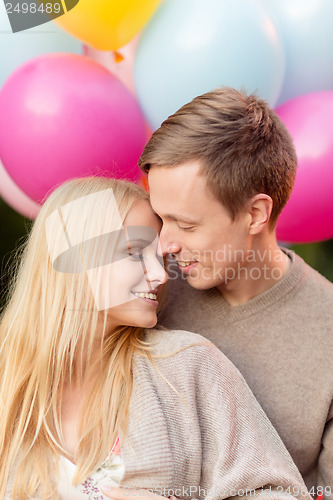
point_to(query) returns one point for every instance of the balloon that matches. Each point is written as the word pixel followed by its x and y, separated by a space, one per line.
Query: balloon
pixel 17 48
pixel 119 62
pixel 144 182
pixel 15 197
pixel 306 28
pixel 190 47
pixel 65 116
pixel 107 24
pixel 308 215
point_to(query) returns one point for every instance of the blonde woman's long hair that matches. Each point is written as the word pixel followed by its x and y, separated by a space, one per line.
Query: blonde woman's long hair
pixel 48 325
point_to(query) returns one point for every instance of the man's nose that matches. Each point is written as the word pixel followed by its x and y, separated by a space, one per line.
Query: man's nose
pixel 169 242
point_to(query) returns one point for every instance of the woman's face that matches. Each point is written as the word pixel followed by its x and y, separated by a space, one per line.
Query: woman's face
pixel 128 286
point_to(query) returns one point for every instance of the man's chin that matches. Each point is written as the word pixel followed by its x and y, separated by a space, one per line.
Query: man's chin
pixel 200 283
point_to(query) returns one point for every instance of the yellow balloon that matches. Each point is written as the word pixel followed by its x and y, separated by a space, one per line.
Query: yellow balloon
pixel 107 24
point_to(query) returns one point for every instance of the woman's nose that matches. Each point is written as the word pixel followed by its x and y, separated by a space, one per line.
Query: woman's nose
pixel 155 272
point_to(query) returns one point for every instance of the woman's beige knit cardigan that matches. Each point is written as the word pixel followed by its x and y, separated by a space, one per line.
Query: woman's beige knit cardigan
pixel 213 440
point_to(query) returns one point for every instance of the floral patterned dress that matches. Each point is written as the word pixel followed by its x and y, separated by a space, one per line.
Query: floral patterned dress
pixel 111 470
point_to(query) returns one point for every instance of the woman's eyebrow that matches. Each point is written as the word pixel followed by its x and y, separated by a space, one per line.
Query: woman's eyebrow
pixel 139 241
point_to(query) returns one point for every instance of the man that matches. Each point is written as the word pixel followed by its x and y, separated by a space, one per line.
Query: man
pixel 220 171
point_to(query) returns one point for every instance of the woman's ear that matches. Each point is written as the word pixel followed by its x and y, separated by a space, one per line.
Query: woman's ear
pixel 260 209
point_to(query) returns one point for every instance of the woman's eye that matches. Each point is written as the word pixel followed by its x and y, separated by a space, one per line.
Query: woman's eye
pixel 135 254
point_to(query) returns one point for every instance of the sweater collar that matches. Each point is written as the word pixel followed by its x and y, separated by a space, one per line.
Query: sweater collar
pixel 223 310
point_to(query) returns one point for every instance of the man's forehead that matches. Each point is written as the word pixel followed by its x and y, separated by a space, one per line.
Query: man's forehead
pixel 182 179
pixel 178 192
pixel 182 208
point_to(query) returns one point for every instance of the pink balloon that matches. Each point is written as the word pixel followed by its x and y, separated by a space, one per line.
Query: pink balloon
pixel 14 196
pixel 308 215
pixel 64 116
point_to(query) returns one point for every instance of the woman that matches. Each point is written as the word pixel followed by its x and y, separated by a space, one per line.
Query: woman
pixel 82 370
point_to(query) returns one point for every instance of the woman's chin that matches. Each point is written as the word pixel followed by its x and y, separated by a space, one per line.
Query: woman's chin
pixel 152 324
pixel 147 321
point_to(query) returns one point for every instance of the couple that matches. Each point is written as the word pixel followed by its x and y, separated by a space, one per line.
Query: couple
pixel 91 391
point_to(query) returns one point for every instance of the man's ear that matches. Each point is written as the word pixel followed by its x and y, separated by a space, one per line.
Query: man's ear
pixel 260 209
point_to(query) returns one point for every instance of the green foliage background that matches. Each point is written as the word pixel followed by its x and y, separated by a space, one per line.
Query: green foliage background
pixel 14 229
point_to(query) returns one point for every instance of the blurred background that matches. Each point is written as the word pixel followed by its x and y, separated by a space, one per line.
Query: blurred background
pixel 81 94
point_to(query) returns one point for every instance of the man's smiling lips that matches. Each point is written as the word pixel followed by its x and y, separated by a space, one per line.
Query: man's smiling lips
pixel 186 265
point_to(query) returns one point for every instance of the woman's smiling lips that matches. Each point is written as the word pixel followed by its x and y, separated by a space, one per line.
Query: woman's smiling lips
pixel 149 297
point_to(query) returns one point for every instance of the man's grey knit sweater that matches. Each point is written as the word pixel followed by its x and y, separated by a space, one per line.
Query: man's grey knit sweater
pixel 282 343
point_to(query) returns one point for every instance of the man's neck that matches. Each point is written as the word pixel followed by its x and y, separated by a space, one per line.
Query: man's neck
pixel 266 265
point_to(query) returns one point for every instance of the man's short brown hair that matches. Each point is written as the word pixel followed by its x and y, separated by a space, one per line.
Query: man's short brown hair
pixel 242 146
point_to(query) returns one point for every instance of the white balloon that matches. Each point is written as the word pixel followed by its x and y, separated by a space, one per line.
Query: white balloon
pixel 305 27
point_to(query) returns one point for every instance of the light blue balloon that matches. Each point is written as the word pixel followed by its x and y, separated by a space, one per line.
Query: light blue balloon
pixel 193 46
pixel 17 48
pixel 306 27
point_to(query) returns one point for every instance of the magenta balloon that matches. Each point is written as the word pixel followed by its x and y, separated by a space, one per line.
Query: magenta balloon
pixel 64 116
pixel 15 197
pixel 308 215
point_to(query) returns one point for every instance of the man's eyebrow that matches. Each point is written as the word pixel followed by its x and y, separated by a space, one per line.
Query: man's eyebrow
pixel 181 218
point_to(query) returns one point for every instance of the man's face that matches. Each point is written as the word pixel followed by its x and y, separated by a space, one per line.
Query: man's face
pixel 197 229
